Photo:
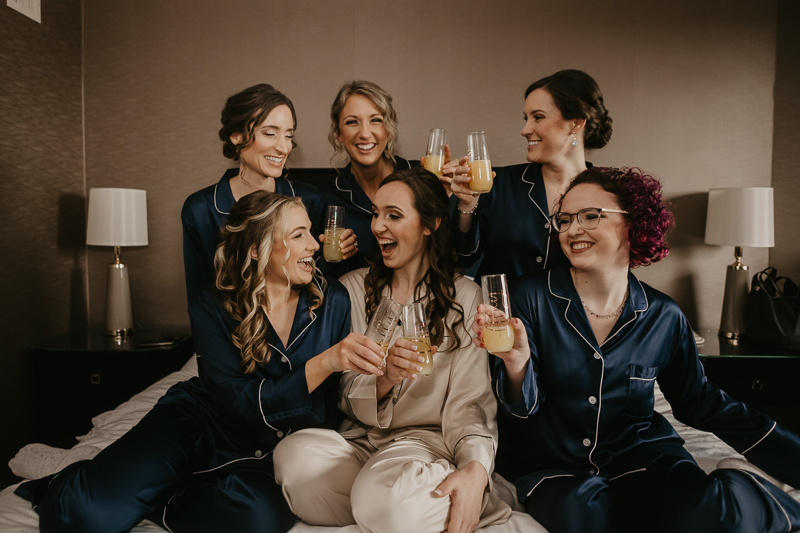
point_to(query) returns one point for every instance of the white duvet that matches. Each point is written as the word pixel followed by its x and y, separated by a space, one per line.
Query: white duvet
pixel 37 460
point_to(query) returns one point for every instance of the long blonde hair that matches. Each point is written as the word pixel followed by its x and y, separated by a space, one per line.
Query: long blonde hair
pixel 256 220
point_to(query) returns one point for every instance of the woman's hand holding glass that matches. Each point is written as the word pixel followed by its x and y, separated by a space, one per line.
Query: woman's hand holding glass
pixel 460 175
pixel 403 361
pixel 348 243
pixel 357 353
pixel 515 359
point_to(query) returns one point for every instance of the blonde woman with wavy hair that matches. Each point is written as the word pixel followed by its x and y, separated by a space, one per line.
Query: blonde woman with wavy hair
pixel 271 340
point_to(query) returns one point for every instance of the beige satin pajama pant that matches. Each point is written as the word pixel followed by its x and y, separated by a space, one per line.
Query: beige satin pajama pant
pixel 330 481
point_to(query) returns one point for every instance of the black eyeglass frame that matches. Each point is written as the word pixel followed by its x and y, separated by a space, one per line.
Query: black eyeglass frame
pixel 573 216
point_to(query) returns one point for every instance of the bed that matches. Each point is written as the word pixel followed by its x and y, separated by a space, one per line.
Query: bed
pixel 37 460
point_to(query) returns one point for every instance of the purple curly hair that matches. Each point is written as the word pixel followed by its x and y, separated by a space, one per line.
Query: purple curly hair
pixel 639 194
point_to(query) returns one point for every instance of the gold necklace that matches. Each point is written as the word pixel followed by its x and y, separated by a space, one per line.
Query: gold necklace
pixel 605 317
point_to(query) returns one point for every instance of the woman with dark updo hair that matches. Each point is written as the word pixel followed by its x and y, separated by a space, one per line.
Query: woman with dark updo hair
pixel 509 229
pixel 258 126
pixel 579 435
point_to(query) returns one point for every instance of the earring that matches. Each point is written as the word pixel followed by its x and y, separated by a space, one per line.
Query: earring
pixel 574 139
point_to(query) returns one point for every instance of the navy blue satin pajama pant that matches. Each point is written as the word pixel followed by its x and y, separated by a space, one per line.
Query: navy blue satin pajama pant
pixel 672 495
pixel 149 474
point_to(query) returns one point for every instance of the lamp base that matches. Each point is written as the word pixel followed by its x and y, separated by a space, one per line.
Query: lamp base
pixel 119 315
pixel 732 325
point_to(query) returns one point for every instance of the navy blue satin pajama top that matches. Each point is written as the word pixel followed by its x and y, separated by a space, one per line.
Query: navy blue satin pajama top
pixel 588 409
pixel 248 414
pixel 344 190
pixel 512 232
pixel 206 211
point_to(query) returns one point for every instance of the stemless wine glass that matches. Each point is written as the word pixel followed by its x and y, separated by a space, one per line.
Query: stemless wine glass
pixel 498 335
pixel 383 323
pixel 479 163
pixel 334 228
pixel 434 154
pixel 415 329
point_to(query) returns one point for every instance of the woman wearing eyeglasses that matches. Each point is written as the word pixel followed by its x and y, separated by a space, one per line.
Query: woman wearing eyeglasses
pixel 509 227
pixel 580 437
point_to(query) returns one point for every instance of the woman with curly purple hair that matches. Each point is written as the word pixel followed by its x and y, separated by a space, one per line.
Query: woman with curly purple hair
pixel 578 434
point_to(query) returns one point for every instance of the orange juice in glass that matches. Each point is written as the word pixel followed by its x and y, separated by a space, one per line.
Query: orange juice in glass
pixel 479 163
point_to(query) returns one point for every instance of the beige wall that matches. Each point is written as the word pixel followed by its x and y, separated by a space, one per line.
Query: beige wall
pixel 785 155
pixel 689 85
pixel 43 270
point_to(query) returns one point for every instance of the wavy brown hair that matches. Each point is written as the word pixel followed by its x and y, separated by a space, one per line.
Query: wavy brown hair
pixel 432 205
pixel 256 220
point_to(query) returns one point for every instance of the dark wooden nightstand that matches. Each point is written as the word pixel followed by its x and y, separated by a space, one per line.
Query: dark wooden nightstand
pixel 81 374
pixel 759 376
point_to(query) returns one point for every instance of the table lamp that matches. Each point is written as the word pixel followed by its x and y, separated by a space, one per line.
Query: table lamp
pixel 117 217
pixel 738 217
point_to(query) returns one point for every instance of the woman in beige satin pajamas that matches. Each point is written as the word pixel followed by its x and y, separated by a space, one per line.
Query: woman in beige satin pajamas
pixel 414 453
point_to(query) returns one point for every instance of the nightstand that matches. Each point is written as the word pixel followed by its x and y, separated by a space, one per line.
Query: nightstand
pixel 83 373
pixel 762 377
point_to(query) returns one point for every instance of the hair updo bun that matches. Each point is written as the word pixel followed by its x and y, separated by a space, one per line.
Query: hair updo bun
pixel 577 95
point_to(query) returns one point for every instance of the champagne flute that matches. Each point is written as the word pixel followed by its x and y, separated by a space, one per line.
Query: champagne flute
pixel 334 228
pixel 498 335
pixel 479 163
pixel 383 323
pixel 434 155
pixel 415 329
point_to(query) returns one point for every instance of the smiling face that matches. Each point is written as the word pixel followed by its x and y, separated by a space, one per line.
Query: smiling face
pixel 549 135
pixel 397 226
pixel 272 144
pixel 362 131
pixel 296 242
pixel 603 247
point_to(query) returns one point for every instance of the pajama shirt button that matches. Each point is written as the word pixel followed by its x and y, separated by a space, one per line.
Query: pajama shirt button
pixel 592 400
pixel 280 434
pixel 596 355
pixel 591 471
pixel 539 259
pixel 587 442
pixel 547 226
pixel 258 453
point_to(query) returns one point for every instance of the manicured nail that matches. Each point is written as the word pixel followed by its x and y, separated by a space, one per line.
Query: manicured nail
pixel 419 369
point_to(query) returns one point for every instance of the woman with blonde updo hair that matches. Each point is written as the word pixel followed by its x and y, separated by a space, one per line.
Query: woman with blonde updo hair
pixel 271 341
pixel 364 131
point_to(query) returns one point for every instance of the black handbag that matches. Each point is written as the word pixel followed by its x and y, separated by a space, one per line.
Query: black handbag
pixel 772 315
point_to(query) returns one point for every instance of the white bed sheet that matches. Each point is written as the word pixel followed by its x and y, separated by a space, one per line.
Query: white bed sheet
pixel 34 461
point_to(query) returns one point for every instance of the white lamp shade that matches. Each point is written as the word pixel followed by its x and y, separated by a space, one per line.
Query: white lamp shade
pixel 117 217
pixel 740 217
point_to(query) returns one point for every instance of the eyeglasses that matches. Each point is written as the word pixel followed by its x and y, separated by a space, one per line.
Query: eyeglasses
pixel 589 218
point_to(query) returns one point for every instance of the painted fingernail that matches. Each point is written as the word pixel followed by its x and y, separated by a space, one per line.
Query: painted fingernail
pixel 421 359
pixel 419 369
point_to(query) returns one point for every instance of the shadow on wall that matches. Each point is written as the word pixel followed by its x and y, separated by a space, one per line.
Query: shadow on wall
pixel 72 242
pixel 688 237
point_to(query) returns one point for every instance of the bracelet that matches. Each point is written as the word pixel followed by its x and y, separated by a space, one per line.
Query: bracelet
pixel 470 212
